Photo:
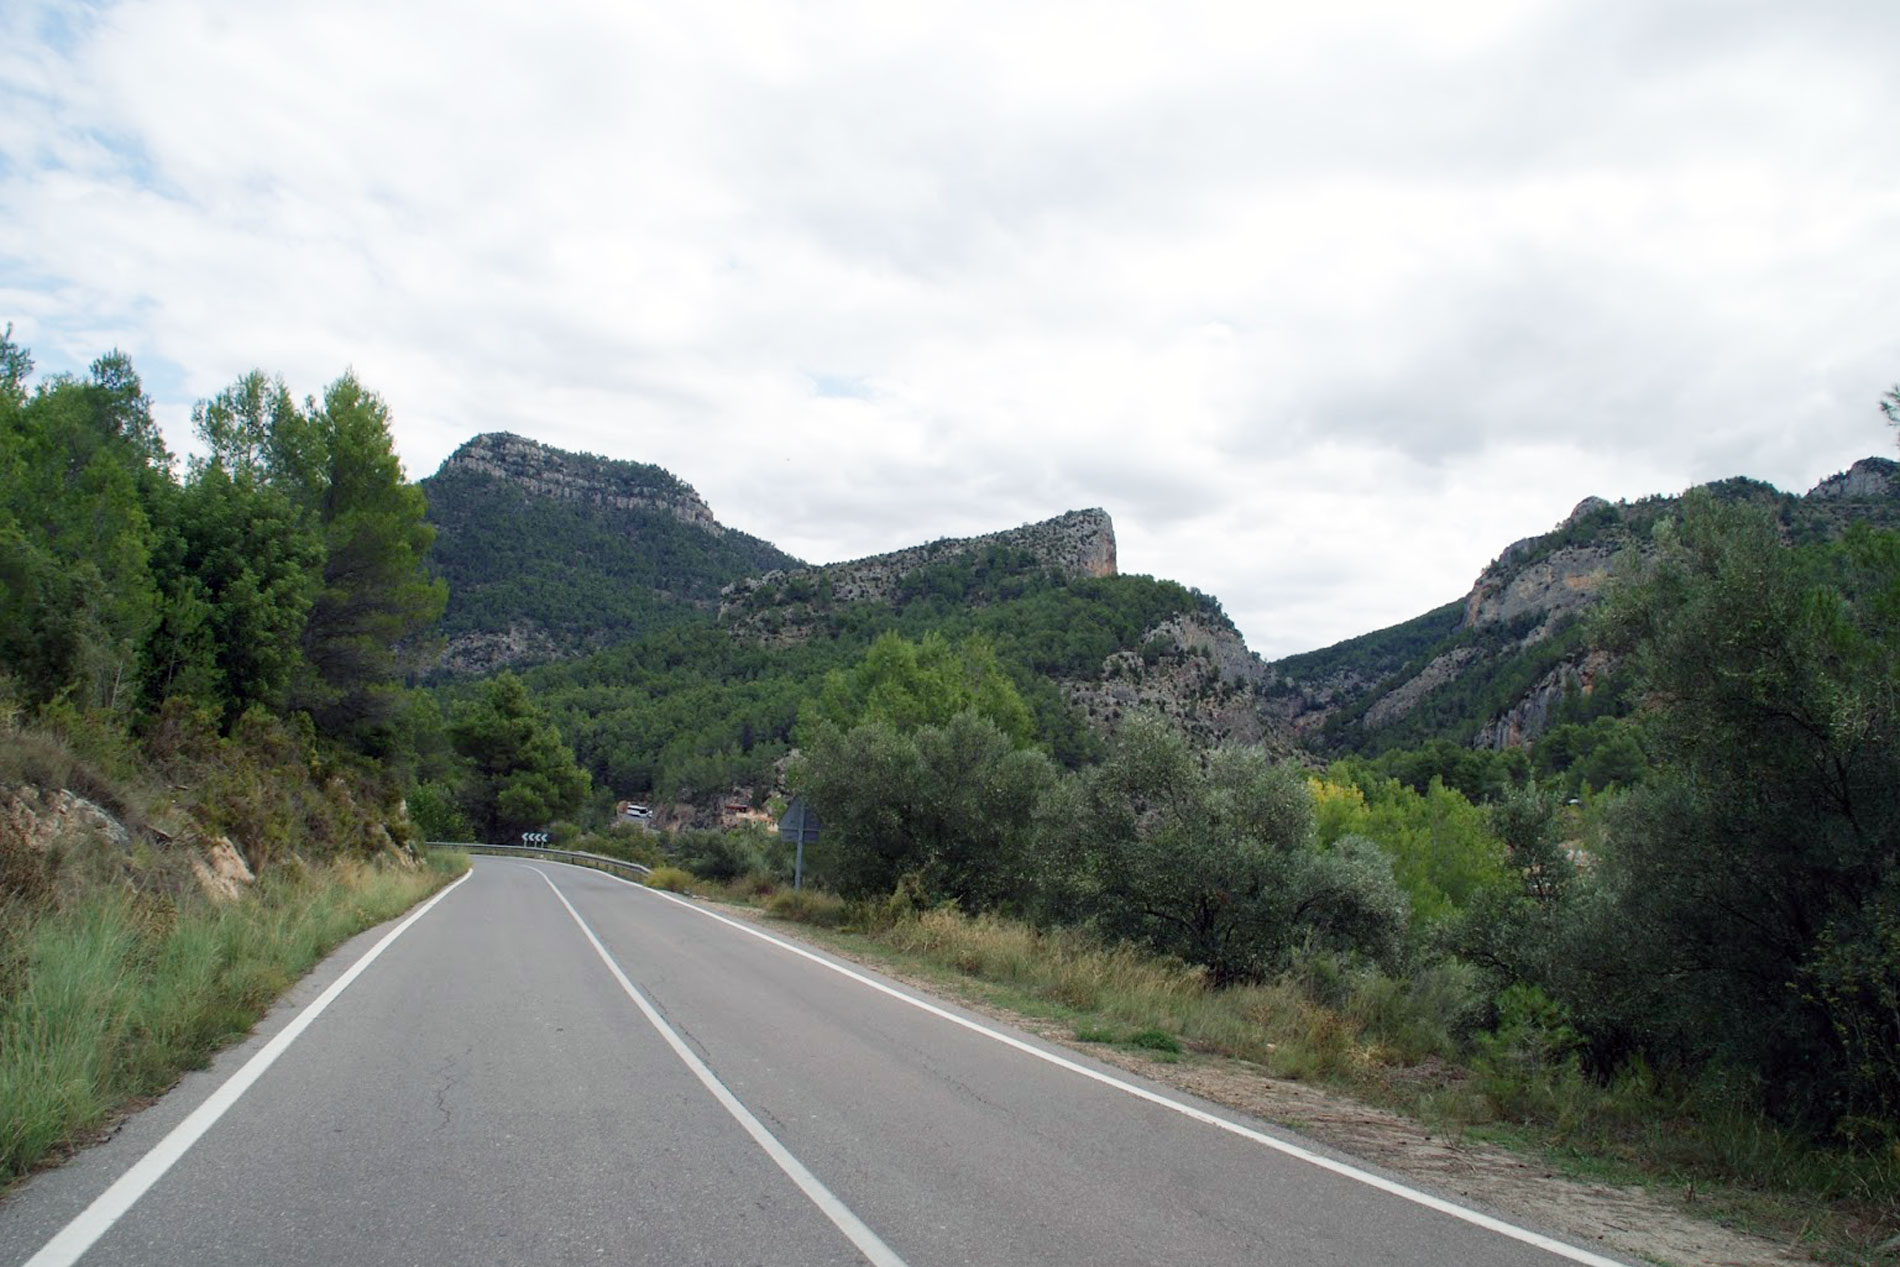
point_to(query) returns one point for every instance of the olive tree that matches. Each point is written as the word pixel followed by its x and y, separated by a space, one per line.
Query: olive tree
pixel 1211 857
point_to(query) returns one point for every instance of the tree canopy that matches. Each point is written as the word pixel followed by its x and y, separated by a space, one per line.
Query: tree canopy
pixel 284 571
pixel 521 775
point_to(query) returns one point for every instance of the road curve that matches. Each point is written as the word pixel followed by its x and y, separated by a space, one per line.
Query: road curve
pixel 553 1066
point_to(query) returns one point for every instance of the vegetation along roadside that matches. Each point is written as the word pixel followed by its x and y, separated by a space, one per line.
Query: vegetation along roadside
pixel 205 727
pixel 1606 864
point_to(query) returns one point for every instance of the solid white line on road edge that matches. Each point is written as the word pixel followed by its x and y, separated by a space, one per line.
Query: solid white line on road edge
pixel 1426 1199
pixel 868 1242
pixel 110 1206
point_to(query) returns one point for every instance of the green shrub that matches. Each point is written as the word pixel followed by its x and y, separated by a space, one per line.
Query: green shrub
pixel 1211 859
pixel 1528 1065
pixel 434 810
pixel 808 906
pixel 753 886
pixel 1155 1040
pixel 714 855
pixel 1433 1012
pixel 672 879
pixel 628 846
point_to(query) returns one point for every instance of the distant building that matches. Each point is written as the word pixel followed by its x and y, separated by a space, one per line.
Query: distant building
pixel 741 814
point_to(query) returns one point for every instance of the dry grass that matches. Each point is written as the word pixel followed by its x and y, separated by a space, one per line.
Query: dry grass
pixel 1404 1043
pixel 672 879
pixel 120 993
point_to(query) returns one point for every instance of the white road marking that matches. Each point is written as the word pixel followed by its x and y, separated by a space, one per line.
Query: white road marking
pixel 110 1206
pixel 868 1242
pixel 1393 1187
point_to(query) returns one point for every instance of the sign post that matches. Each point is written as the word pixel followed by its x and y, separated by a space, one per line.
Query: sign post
pixel 799 826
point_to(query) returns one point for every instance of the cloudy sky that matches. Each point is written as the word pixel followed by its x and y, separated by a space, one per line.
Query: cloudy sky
pixel 1326 304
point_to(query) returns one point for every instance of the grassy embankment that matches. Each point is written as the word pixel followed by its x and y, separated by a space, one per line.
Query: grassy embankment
pixel 1401 1044
pixel 117 972
pixel 116 995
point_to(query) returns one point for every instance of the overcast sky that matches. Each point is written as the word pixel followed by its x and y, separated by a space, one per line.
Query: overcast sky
pixel 1324 303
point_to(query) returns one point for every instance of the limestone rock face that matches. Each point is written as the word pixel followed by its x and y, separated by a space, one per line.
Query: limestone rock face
pixel 1406 696
pixel 1530 717
pixel 1867 478
pixel 221 870
pixel 1569 580
pixel 40 818
pixel 551 472
pixel 1194 674
pixel 489 652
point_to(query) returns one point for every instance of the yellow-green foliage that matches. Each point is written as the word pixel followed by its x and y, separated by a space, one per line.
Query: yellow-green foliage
pixel 672 879
pixel 120 993
pixel 911 684
pixel 1127 990
pixel 808 906
pixel 1441 847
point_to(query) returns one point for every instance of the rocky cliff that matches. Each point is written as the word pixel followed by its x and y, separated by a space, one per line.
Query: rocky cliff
pixel 1189 667
pixel 1495 674
pixel 1194 673
pixel 1870 479
pixel 544 471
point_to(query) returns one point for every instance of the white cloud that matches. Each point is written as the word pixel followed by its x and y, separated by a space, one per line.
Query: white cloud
pixel 1326 304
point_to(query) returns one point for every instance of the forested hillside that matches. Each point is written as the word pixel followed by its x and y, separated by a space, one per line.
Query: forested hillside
pixel 548 553
pixel 688 712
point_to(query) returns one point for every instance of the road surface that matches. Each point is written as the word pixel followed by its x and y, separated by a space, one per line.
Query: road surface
pixel 552 1066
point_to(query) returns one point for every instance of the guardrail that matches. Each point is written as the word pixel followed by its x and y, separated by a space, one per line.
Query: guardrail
pixel 593 860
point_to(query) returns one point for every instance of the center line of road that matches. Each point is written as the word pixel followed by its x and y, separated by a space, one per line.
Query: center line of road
pixel 868 1242
pixel 1367 1177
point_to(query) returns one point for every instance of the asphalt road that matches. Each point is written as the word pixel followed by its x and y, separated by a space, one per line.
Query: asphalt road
pixel 552 1066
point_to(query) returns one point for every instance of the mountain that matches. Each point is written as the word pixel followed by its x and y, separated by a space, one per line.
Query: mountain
pixel 1050 597
pixel 1495 668
pixel 616 579
pixel 551 554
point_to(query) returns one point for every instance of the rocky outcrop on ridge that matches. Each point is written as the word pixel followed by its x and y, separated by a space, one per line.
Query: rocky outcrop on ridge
pixel 1520 622
pixel 481 652
pixel 779 604
pixel 1868 478
pixel 1193 673
pixel 550 472
pixel 1521 723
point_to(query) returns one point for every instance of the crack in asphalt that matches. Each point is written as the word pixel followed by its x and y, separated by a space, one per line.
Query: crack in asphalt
pixel 446 1071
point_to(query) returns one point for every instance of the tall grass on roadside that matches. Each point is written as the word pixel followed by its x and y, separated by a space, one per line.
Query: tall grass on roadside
pixel 119 994
pixel 1412 1043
